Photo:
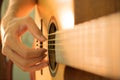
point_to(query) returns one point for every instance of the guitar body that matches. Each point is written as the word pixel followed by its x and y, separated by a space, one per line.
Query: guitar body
pixel 59 15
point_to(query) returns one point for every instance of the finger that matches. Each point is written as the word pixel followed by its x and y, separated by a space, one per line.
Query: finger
pixel 41 65
pixel 35 61
pixel 28 62
pixel 33 56
pixel 11 56
pixel 33 28
pixel 24 51
pixel 19 61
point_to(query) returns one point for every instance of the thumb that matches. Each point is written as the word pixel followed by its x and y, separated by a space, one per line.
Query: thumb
pixel 35 31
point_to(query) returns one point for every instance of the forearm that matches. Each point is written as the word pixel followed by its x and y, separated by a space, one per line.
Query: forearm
pixel 20 8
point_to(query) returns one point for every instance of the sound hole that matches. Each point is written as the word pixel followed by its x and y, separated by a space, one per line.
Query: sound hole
pixel 51 50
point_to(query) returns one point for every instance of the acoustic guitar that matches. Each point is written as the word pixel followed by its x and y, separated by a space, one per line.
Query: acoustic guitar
pixel 83 39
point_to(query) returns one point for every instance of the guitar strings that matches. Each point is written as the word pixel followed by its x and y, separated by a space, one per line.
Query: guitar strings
pixel 76 27
pixel 61 49
pixel 81 30
pixel 59 33
pixel 62 37
pixel 57 44
pixel 67 31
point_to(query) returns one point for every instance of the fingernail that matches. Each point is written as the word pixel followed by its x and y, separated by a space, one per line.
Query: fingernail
pixel 45 64
pixel 42 38
pixel 44 50
pixel 43 56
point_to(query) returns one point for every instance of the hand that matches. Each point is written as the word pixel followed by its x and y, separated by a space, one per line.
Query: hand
pixel 26 58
